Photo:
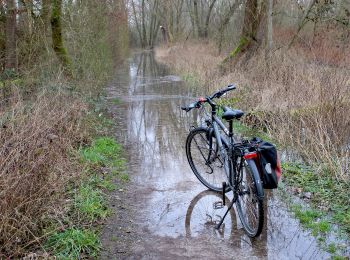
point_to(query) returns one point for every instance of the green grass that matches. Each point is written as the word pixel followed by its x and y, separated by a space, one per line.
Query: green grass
pixel 105 152
pixel 249 132
pixel 90 200
pixel 338 257
pixel 332 248
pixel 319 226
pixel 103 182
pixel 116 101
pixel 73 243
pixel 91 203
pixel 332 195
pixel 326 191
pixel 311 219
pixel 124 177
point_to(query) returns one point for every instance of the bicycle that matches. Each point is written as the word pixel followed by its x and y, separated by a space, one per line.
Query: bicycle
pixel 207 147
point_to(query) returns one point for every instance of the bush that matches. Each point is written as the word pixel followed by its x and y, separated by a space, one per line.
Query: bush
pixel 35 165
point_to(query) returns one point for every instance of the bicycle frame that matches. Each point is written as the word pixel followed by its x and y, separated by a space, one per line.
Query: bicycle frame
pixel 222 142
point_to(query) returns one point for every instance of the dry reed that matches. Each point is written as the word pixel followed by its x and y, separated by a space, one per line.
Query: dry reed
pixel 301 102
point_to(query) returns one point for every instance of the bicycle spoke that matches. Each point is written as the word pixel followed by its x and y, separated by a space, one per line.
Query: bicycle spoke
pixel 208 170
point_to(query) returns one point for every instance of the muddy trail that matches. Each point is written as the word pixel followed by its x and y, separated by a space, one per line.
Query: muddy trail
pixel 164 212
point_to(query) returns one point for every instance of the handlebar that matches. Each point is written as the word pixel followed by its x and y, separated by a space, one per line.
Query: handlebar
pixel 216 94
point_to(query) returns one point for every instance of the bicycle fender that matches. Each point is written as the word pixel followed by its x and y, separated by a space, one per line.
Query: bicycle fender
pixel 257 180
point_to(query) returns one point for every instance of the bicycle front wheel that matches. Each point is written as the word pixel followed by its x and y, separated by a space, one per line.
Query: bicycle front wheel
pixel 205 160
pixel 249 202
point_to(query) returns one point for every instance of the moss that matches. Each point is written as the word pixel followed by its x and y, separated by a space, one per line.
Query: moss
pixel 243 42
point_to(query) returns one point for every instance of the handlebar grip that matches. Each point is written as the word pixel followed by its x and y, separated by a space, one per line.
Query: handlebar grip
pixel 231 87
pixel 191 106
pixel 225 108
pixel 221 92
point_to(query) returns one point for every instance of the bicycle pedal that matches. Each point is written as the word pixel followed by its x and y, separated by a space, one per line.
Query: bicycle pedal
pixel 218 205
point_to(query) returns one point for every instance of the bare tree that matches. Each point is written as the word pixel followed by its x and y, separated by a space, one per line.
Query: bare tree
pixel 57 39
pixel 207 19
pixel 143 24
pixel 137 24
pixel 10 58
pixel 269 25
pixel 202 30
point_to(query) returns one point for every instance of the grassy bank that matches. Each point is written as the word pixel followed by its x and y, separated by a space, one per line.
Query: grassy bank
pixel 103 165
pixel 57 164
pixel 301 105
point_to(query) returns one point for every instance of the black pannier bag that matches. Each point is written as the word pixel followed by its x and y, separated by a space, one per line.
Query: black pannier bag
pixel 269 164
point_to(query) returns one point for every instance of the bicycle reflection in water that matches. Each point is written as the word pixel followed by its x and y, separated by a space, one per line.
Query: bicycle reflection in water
pixel 206 210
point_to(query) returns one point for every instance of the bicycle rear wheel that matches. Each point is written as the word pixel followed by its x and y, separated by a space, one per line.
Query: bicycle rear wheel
pixel 210 172
pixel 249 202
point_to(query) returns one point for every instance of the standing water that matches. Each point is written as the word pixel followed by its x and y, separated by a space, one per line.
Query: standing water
pixel 173 213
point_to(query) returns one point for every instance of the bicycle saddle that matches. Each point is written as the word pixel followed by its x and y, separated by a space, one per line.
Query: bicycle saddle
pixel 230 114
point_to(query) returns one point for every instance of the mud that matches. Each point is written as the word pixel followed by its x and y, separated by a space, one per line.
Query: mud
pixel 164 212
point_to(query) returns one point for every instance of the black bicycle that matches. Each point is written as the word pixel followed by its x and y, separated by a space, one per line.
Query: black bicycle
pixel 223 163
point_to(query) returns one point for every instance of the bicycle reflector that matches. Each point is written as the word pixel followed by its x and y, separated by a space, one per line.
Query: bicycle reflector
pixel 251 155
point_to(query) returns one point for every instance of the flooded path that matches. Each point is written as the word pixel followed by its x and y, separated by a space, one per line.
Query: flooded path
pixel 172 214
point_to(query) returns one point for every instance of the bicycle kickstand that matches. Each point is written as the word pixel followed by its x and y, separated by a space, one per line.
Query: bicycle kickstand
pixel 229 207
pixel 223 218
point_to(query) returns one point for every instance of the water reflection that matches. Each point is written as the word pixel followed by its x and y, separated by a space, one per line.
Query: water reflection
pixel 172 202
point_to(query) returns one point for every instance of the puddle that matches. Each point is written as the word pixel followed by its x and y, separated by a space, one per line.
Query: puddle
pixel 176 215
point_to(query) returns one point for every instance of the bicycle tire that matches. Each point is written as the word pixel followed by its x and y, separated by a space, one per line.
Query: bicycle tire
pixel 250 199
pixel 197 149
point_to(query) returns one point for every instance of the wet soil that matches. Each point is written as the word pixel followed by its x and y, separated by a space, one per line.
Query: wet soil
pixel 164 212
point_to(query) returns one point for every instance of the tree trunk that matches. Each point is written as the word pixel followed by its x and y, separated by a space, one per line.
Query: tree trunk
pixel 253 32
pixel 303 20
pixel 10 45
pixel 196 19
pixel 269 25
pixel 154 24
pixel 136 22
pixel 178 17
pixel 226 21
pixel 249 23
pixel 57 39
pixel 144 33
pixel 206 27
pixel 192 19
